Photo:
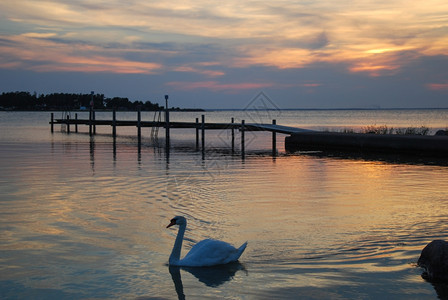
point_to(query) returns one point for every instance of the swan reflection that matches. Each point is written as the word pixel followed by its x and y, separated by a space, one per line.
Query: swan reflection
pixel 210 276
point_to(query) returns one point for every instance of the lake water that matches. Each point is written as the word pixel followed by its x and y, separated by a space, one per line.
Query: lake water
pixel 84 218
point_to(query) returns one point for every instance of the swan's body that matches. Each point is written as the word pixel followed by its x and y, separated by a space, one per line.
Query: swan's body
pixel 205 253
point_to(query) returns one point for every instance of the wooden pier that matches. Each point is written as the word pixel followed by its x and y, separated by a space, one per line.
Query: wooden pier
pixel 297 139
pixel 200 128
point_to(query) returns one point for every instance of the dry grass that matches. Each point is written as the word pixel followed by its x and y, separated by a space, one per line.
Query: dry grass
pixel 383 129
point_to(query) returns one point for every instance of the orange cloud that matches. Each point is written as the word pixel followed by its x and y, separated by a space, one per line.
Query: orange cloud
pixel 278 57
pixel 377 62
pixel 372 68
pixel 30 51
pixel 98 64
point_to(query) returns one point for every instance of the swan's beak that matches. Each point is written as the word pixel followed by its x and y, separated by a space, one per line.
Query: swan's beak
pixel 173 222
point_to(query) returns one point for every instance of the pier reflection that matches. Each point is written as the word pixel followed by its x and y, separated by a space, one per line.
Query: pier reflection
pixel 167 154
pixel 92 152
pixel 115 148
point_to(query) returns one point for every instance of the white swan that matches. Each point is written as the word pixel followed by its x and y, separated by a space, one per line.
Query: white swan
pixel 205 253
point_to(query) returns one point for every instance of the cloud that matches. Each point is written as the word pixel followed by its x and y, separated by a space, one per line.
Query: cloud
pixel 39 34
pixel 30 51
pixel 438 86
pixel 310 84
pixel 217 87
pixel 208 73
pixel 285 35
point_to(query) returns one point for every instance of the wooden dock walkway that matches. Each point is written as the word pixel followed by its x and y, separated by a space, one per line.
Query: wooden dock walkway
pixel 167 125
pixel 247 126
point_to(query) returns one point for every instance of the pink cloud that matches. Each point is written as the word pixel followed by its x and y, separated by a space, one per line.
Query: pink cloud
pixel 438 86
pixel 210 73
pixel 216 86
pixel 310 84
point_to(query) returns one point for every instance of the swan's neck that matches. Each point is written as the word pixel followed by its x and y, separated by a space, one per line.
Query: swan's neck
pixel 175 254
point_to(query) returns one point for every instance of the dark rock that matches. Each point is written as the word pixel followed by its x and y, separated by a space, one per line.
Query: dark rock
pixel 442 132
pixel 434 259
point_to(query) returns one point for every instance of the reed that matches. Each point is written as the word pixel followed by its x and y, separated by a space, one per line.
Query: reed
pixel 384 129
pixel 373 129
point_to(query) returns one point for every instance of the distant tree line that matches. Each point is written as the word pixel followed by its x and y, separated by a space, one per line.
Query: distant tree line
pixel 64 101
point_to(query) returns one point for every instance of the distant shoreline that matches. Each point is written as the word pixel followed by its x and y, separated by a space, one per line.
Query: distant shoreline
pixel 226 109
pixel 99 110
pixel 323 109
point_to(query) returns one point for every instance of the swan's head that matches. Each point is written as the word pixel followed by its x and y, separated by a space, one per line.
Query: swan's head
pixel 179 220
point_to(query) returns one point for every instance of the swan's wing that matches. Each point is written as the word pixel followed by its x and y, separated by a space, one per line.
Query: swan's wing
pixel 210 248
pixel 212 252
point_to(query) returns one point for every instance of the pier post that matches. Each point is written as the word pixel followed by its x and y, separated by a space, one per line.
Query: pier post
pixel 94 123
pixel 197 134
pixel 203 133
pixel 167 123
pixel 76 122
pixel 91 116
pixel 90 120
pixel 52 122
pixel 68 123
pixel 114 123
pixel 233 136
pixel 114 133
pixel 274 140
pixel 139 127
pixel 243 154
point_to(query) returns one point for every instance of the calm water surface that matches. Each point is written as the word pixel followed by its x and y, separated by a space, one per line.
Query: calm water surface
pixel 81 218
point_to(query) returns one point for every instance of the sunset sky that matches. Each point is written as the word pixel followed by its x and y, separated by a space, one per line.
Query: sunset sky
pixel 210 54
